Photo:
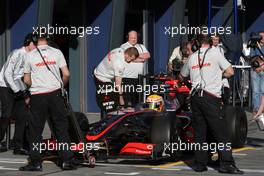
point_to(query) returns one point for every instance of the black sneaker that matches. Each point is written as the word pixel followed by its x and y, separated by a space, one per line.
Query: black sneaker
pixel 214 163
pixel 20 151
pixel 200 168
pixel 68 165
pixel 230 169
pixel 3 147
pixel 31 167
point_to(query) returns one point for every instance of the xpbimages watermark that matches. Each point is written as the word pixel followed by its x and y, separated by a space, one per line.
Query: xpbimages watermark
pixel 81 31
pixel 173 31
pixel 57 146
pixel 106 89
pixel 181 146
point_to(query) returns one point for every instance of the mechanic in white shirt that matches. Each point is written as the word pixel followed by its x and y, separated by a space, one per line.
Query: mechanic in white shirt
pixel 12 94
pixel 134 69
pixel 206 68
pixel 109 74
pixel 42 74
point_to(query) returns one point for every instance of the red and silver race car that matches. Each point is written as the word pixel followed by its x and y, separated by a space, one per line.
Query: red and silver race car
pixel 144 133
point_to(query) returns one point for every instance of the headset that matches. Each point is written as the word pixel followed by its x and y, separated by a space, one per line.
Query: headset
pixel 31 38
pixel 44 36
pixel 195 45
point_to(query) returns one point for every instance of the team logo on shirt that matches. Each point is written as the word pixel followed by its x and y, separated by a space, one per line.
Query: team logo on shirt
pixel 51 62
pixel 204 65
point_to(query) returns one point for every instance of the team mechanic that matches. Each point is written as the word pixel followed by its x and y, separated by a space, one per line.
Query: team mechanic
pixel 42 73
pixel 12 94
pixel 206 68
pixel 135 68
pixel 110 71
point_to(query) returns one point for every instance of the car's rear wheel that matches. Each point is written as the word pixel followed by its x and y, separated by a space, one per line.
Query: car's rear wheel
pixel 237 125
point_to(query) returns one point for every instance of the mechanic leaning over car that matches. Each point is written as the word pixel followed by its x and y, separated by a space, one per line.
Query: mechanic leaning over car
pixel 42 74
pixel 134 69
pixel 110 71
pixel 12 94
pixel 206 67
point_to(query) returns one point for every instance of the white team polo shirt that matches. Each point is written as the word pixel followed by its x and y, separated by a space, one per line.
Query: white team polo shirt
pixel 210 76
pixel 111 66
pixel 43 81
pixel 133 69
pixel 12 70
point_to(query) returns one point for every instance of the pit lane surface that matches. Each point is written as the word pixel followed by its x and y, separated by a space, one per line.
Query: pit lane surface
pixel 249 159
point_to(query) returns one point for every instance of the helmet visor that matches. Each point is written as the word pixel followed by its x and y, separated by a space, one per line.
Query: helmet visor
pixel 153 105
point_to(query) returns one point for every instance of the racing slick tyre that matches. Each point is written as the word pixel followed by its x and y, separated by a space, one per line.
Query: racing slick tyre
pixel 175 152
pixel 164 135
pixel 237 125
pixel 160 130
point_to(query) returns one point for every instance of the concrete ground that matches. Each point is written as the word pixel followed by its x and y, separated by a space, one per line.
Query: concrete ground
pixel 249 159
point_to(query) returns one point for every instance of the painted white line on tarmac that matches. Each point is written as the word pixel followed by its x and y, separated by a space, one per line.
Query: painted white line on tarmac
pixel 176 168
pixel 188 168
pixel 7 168
pixel 122 165
pixel 12 159
pixel 239 154
pixel 252 171
pixel 13 162
pixel 119 173
pixel 20 161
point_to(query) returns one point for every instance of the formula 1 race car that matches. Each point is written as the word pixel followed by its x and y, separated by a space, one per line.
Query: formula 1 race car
pixel 141 132
pixel 145 133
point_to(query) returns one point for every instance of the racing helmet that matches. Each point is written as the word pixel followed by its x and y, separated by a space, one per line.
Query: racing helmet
pixel 155 102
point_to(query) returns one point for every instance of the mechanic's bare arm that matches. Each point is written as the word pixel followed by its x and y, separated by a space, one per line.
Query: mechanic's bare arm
pixel 118 84
pixel 181 78
pixel 142 57
pixel 27 79
pixel 170 68
pixel 65 75
pixel 228 72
